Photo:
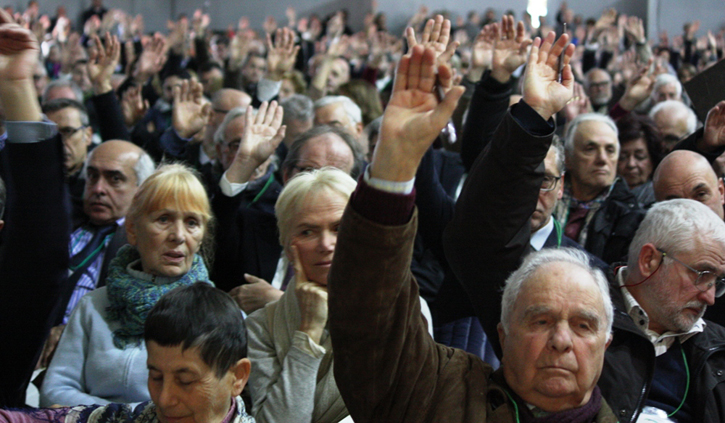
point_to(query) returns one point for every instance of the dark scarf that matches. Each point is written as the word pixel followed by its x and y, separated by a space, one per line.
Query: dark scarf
pixel 584 414
pixel 132 298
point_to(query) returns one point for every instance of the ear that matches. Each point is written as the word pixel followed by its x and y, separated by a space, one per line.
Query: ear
pixel 609 340
pixel 501 334
pixel 130 232
pixel 649 260
pixel 721 190
pixel 359 127
pixel 240 370
pixel 560 187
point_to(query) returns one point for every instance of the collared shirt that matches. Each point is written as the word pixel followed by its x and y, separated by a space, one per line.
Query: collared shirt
pixel 538 238
pixel 89 279
pixel 661 342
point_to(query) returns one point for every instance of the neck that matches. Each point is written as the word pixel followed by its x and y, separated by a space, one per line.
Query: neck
pixel 584 192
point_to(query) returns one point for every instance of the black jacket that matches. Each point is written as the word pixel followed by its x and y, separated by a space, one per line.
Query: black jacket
pixel 630 361
pixel 613 227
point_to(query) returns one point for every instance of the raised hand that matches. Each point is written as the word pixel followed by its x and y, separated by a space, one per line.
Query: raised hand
pixel 634 29
pixel 133 106
pixel 482 53
pixel 579 104
pixel 436 35
pixel 639 88
pixel 102 63
pixel 190 112
pixel 509 49
pixel 542 91
pixel 262 134
pixel 18 60
pixel 714 132
pixel 414 117
pixel 152 59
pixel 255 294
pixel 282 55
pixel 312 301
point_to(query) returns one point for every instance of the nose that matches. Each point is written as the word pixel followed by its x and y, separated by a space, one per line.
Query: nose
pixel 631 162
pixel 167 397
pixel 707 297
pixel 97 187
pixel 327 241
pixel 177 232
pixel 560 338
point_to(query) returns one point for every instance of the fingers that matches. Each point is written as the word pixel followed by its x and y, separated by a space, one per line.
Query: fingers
pixel 271 113
pixel 297 263
pixel 277 117
pixel 534 54
pixel 445 57
pixel 556 50
pixel 546 47
pixel 427 31
pixel 520 32
pixel 410 37
pixel 445 32
pixel 248 120
pixel 414 67
pixel 401 73
pixel 252 279
pixel 261 113
pixel 427 71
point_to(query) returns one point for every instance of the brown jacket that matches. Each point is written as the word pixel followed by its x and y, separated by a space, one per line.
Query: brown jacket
pixel 387 367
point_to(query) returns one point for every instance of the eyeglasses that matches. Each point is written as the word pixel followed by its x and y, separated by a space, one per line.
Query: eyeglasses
pixel 68 131
pixel 705 278
pixel 549 182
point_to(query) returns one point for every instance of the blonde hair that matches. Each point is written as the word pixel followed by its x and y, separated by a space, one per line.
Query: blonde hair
pixel 177 185
pixel 301 189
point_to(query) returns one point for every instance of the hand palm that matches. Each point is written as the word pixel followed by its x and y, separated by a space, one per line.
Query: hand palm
pixel 482 53
pixel 258 141
pixel 18 59
pixel 506 55
pixel 408 116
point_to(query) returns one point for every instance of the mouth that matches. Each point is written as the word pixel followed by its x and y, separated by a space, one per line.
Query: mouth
pixel 174 257
pixel 324 263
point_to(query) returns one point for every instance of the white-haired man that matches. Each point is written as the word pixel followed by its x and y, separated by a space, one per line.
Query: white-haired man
pixel 666 88
pixel 342 112
pixel 597 210
pixel 674 121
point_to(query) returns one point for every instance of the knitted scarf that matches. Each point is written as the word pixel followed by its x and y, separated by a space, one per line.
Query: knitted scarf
pixel 132 298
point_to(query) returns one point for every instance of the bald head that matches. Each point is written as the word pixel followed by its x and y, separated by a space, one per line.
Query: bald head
pixel 686 174
pixel 225 100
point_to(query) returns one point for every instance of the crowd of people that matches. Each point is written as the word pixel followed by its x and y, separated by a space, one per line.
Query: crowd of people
pixel 480 219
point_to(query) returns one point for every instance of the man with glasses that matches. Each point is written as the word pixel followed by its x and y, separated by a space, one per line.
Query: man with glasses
pixel 666 363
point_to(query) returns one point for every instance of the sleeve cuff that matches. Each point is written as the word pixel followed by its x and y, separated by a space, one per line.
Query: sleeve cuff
pixel 404 188
pixel 382 207
pixel 303 341
pixel 268 89
pixel 531 121
pixel 30 132
pixel 231 189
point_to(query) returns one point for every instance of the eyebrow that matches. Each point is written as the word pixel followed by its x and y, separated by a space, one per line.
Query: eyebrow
pixel 183 370
pixel 699 186
pixel 536 310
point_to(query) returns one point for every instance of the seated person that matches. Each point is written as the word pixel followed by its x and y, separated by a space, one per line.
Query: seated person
pixel 101 354
pixel 197 366
pixel 289 342
pixel 557 313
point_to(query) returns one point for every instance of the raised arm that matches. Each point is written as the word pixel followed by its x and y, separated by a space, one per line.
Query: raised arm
pixel 490 229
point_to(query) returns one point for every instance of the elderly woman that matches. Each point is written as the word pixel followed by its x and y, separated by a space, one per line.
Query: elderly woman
pixel 292 378
pixel 197 366
pixel 639 154
pixel 101 357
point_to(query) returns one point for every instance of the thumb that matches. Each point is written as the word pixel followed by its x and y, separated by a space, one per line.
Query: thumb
pixel 444 110
pixel 253 279
pixel 300 275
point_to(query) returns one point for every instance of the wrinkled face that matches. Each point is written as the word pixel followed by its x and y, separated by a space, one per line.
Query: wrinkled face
pixel 634 164
pixel 322 151
pixel 232 137
pixel 339 74
pixel 110 184
pixel 666 92
pixel 671 300
pixel 255 69
pixel 226 102
pixel 600 87
pixel 696 181
pixel 593 162
pixel 80 76
pixel 334 115
pixel 554 349
pixel 547 199
pixel 314 233
pixel 76 138
pixel 185 389
pixel 672 127
pixel 167 239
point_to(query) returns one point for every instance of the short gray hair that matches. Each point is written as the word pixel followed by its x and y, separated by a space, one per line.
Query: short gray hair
pixel 61 83
pixel 664 79
pixel 295 150
pixel 586 117
pixel 539 259
pixel 143 168
pixel 231 115
pixel 58 104
pixel 679 107
pixel 673 226
pixel 298 107
pixel 592 71
pixel 351 109
pixel 558 145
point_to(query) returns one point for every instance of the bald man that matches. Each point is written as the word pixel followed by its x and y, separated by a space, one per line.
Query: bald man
pixel 686 174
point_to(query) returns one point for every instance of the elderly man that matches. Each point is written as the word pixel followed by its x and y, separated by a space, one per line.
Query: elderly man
pixel 298 118
pixel 674 121
pixel 554 343
pixel 665 361
pixel 245 206
pixel 597 210
pixel 342 112
pixel 598 84
pixel 666 88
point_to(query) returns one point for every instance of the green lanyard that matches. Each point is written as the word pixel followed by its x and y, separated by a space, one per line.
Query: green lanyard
pixel 516 407
pixel 264 188
pixel 559 232
pixel 687 387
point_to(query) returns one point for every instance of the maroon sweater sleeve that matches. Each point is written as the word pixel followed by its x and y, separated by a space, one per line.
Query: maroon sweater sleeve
pixel 382 207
